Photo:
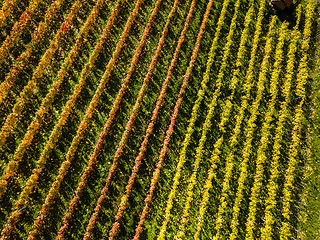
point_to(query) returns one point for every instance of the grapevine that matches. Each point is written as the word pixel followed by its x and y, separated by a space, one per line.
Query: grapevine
pixel 24 98
pixel 17 29
pixel 190 128
pixel 286 230
pixel 6 10
pixel 272 187
pixel 34 127
pixel 225 116
pixel 233 141
pixel 251 127
pixel 25 56
pixel 207 125
pixel 266 131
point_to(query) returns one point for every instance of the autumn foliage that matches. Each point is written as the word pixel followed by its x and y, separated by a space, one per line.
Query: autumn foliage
pixel 135 119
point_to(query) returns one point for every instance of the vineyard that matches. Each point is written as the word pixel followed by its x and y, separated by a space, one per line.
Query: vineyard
pixel 153 119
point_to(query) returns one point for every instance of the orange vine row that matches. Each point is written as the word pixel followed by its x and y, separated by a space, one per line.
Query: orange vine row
pixel 25 95
pixel 149 131
pixel 17 29
pixel 93 159
pixel 23 59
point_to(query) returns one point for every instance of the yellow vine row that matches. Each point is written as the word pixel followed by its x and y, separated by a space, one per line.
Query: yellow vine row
pixel 224 117
pixel 6 10
pixel 266 132
pixel 17 29
pixel 272 187
pixel 194 115
pixel 222 210
pixel 207 124
pixel 287 231
pixel 250 129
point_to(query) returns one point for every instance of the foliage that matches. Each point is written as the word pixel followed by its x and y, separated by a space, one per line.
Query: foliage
pixel 151 119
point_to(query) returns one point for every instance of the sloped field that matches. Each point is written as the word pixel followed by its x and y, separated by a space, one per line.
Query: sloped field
pixel 153 119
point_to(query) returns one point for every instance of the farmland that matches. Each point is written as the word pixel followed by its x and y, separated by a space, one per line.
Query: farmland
pixel 152 119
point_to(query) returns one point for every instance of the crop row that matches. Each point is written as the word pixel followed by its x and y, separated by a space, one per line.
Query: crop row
pixel 226 112
pixel 149 132
pixel 271 202
pixel 190 128
pixel 56 132
pixel 287 230
pixel 250 130
pixel 54 190
pixel 207 124
pixel 25 95
pixel 17 29
pixel 233 141
pixel 169 132
pixel 172 122
pixel 159 122
pixel 47 102
pixel 251 224
pixel 23 59
pixel 93 158
pixel 150 128
pixel 6 10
